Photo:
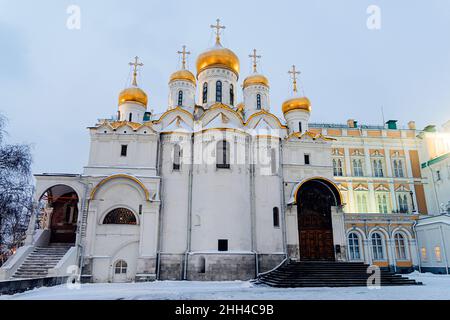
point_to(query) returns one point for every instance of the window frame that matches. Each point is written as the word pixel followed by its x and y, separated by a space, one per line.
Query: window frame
pixel 205 92
pixel 123 150
pixel 351 244
pixel 219 88
pixel 378 247
pixel 224 151
pixel 401 247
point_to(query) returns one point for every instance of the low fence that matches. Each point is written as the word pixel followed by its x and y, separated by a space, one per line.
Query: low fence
pixel 17 286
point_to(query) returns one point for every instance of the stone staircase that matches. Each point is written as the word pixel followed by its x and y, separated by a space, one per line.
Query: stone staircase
pixel 38 262
pixel 327 274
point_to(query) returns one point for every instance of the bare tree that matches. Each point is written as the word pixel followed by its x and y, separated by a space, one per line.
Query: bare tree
pixel 16 193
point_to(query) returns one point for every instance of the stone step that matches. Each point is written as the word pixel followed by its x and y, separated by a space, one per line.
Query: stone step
pixel 327 274
pixel 37 264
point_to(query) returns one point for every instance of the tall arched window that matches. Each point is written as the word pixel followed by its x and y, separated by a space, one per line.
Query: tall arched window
pixel 354 249
pixel 219 91
pixel 223 154
pixel 400 247
pixel 361 203
pixel 377 246
pixel 120 216
pixel 258 101
pixel 276 217
pixel 176 157
pixel 357 168
pixel 231 95
pixel 180 98
pixel 378 168
pixel 120 267
pixel 398 169
pixel 130 117
pixel 205 92
pixel 337 167
pixel 382 203
pixel 403 203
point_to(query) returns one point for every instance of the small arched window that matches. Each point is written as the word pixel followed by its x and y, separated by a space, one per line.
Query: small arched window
pixel 120 267
pixel 354 248
pixel 120 216
pixel 377 246
pixel 205 92
pixel 231 95
pixel 176 157
pixel 223 154
pixel 400 247
pixel 219 91
pixel 130 117
pixel 276 217
pixel 258 101
pixel 180 98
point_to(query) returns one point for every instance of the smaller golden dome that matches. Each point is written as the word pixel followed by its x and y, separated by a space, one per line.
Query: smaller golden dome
pixel 255 79
pixel 133 94
pixel 183 74
pixel 300 103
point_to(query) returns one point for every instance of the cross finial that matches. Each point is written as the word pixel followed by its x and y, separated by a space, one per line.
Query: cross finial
pixel 183 56
pixel 217 26
pixel 294 74
pixel 255 57
pixel 135 65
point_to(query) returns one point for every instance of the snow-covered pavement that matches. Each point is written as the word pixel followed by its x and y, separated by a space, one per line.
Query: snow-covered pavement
pixel 435 287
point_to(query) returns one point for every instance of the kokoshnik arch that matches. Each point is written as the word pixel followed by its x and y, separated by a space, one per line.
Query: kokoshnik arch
pixel 143 208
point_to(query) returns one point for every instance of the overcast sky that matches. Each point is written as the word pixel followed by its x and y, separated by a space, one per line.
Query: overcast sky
pixel 55 82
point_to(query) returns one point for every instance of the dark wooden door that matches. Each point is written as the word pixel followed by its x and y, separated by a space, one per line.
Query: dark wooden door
pixel 315 229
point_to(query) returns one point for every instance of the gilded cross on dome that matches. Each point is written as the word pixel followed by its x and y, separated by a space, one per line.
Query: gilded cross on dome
pixel 183 56
pixel 254 57
pixel 135 65
pixel 294 74
pixel 217 26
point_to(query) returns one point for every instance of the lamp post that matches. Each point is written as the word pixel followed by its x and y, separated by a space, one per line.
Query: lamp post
pixel 412 201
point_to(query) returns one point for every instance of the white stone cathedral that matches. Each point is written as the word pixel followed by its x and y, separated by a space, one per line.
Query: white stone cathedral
pixel 213 189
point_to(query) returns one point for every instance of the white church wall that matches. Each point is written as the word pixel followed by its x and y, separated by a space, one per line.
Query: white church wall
pixel 175 188
pixel 221 197
pixel 105 154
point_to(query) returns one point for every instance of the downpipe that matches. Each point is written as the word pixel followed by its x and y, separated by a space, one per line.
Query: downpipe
pixel 160 220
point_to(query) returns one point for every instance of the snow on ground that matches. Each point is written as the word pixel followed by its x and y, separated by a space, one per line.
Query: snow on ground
pixel 435 287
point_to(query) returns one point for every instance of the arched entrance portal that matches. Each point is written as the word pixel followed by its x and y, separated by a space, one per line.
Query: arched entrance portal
pixel 60 213
pixel 314 201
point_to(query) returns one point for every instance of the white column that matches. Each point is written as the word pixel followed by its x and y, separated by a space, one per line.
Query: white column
pixel 372 203
pixel 393 197
pixel 348 169
pixel 368 169
pixel 351 205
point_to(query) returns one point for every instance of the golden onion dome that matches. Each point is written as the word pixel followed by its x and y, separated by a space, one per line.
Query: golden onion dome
pixel 219 57
pixel 256 79
pixel 299 103
pixel 183 74
pixel 133 94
